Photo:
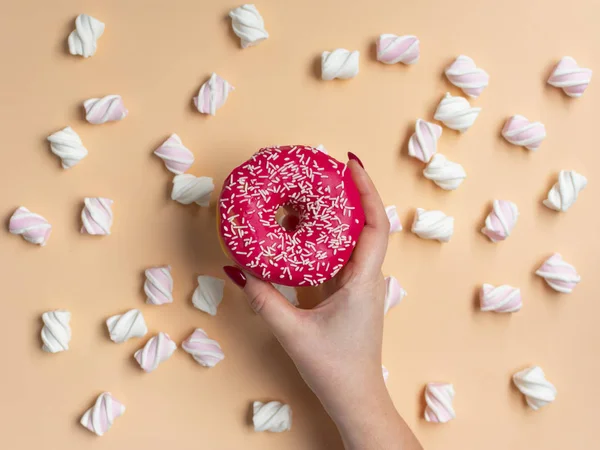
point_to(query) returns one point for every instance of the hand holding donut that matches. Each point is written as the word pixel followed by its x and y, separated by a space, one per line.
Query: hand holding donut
pixel 344 372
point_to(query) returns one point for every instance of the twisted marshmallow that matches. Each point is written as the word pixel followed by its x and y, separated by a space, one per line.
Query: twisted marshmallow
pixel 566 190
pixel 560 275
pixel 456 113
pixel 439 397
pixel 189 189
pixel 500 222
pixel 100 417
pixel 105 109
pixel 392 49
pixel 392 214
pixel 209 294
pixel 33 227
pixel 83 40
pixel 205 351
pixel 322 148
pixel 340 63
pixel 445 173
pixel 518 130
pixel 386 373
pixel 122 327
pixel 97 216
pixel 213 95
pixel 571 78
pixel 288 292
pixel 158 285
pixel 394 293
pixel 248 25
pixel 158 349
pixel 533 385
pixel 67 145
pixel 501 299
pixel 56 332
pixel 423 143
pixel 464 74
pixel 175 155
pixel 272 416
pixel 433 225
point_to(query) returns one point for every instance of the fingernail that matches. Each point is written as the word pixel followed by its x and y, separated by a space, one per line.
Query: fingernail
pixel 236 275
pixel 353 157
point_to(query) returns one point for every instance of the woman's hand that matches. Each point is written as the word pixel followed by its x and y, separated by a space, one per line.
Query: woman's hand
pixel 336 346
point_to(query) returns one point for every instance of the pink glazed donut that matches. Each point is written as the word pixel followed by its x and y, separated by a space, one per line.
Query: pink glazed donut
pixel 324 215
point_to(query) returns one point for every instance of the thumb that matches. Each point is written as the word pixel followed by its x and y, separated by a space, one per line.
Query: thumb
pixel 265 300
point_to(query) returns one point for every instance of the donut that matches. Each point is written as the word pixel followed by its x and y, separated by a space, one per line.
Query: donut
pixel 305 183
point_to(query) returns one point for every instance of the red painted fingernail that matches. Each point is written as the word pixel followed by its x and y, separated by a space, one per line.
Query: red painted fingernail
pixel 353 157
pixel 236 275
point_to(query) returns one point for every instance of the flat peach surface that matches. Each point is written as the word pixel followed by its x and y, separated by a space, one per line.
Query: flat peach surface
pixel 156 54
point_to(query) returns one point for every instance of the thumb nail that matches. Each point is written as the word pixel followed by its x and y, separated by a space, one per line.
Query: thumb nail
pixel 353 157
pixel 235 275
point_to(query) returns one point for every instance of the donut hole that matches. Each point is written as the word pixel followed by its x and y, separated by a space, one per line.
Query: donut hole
pixel 287 217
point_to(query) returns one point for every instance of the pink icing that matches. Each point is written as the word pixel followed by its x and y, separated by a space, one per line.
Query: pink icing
pixel 573 79
pixel 100 417
pixel 501 221
pixel 212 95
pixel 175 155
pixel 106 109
pixel 322 192
pixel 33 227
pixel 423 143
pixel 392 49
pixel 465 74
pixel 520 131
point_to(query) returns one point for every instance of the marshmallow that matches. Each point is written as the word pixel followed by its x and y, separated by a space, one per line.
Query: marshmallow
pixel 423 143
pixel 445 173
pixel 386 373
pixel 392 214
pixel 100 417
pixel 456 113
pixel 189 189
pixel 33 227
pixel 56 332
pixel 175 155
pixel 501 299
pixel 392 49
pixel 394 293
pixel 566 190
pixel 83 40
pixel 67 145
pixel 433 225
pixel 272 416
pixel 122 327
pixel 464 74
pixel 158 349
pixel 322 148
pixel 105 109
pixel 158 285
pixel 518 130
pixel 340 63
pixel 213 95
pixel 439 397
pixel 533 385
pixel 500 222
pixel 560 275
pixel 209 294
pixel 571 78
pixel 204 350
pixel 248 25
pixel 97 216
pixel 288 292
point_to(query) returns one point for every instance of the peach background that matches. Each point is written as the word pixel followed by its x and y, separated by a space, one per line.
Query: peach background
pixel 156 55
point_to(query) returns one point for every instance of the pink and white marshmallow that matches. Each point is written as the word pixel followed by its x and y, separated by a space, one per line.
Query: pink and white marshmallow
pixel 571 78
pixel 558 274
pixel 158 349
pixel 439 397
pixel 394 293
pixel 386 373
pixel 213 95
pixel 464 74
pixel 207 352
pixel 97 216
pixel 392 214
pixel 32 227
pixel 518 130
pixel 158 285
pixel 392 49
pixel 500 222
pixel 501 299
pixel 565 191
pixel 100 417
pixel 177 158
pixel 423 143
pixel 105 109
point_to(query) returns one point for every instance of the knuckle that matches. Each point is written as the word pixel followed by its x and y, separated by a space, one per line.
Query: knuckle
pixel 257 301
